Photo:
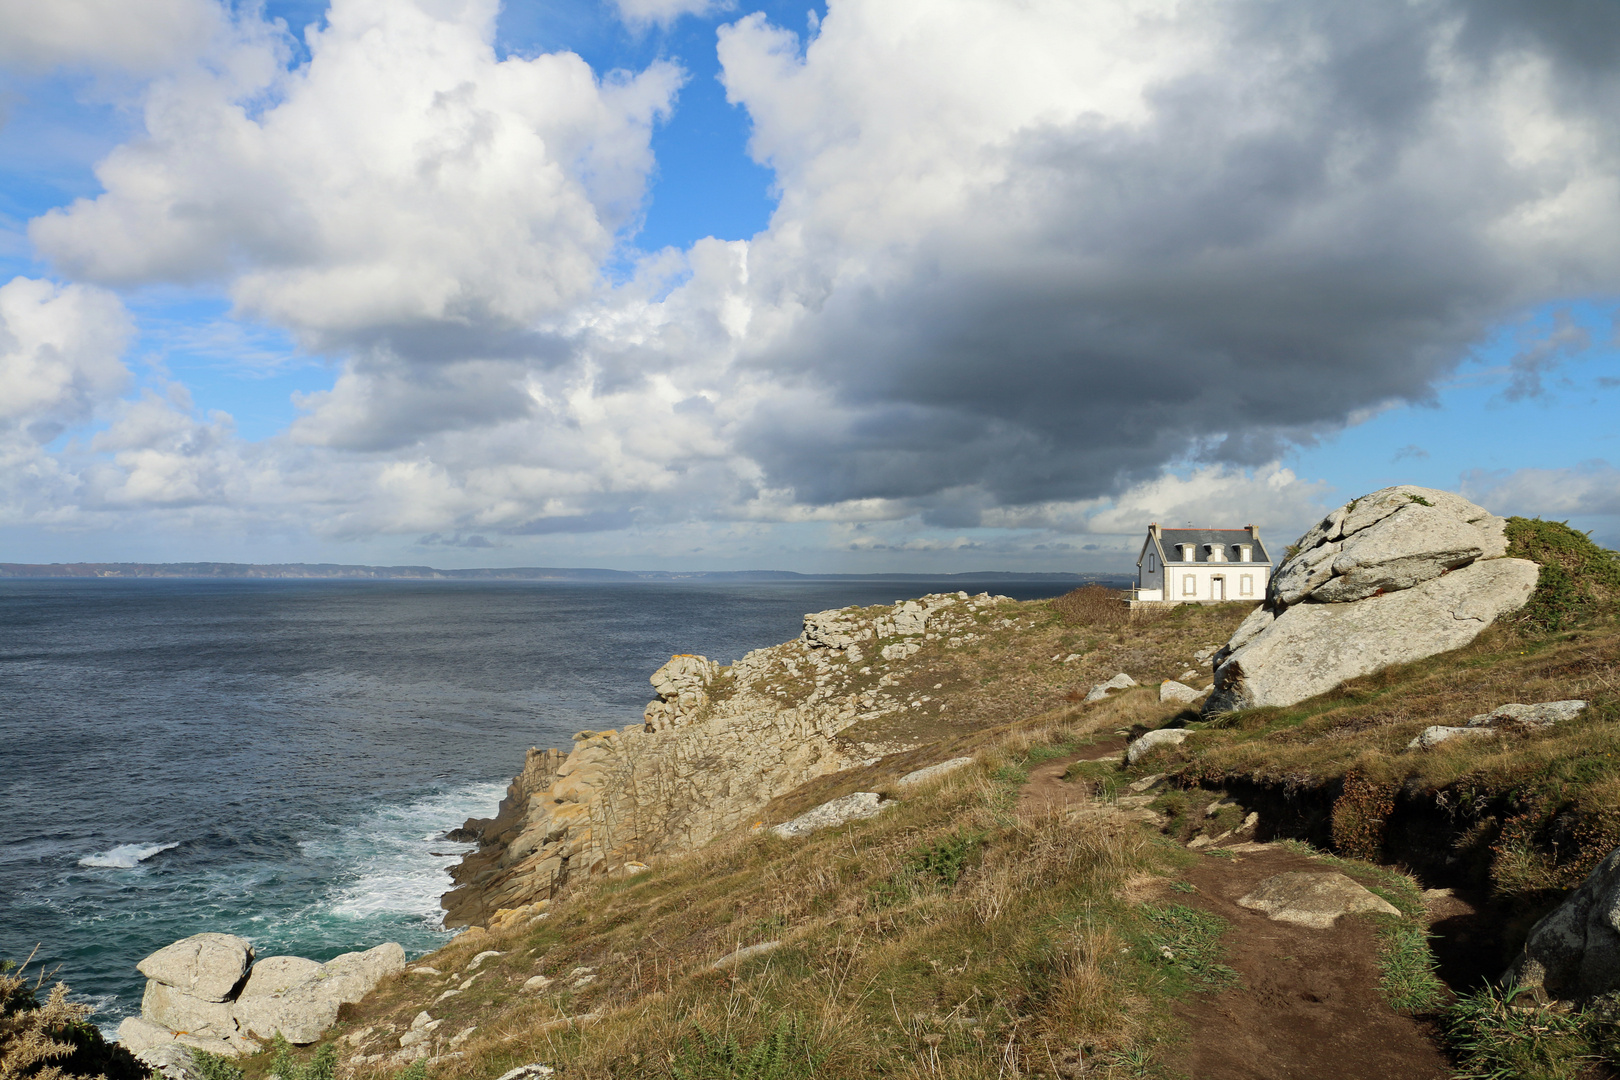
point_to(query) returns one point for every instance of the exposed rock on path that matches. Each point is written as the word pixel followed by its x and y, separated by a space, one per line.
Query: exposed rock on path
pixel 1307 1006
pixel 1315 899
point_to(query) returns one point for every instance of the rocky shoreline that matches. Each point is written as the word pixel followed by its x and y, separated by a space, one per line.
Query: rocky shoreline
pixel 714 748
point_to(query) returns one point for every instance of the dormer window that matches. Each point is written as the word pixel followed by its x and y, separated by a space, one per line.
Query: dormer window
pixel 1245 553
pixel 1189 552
pixel 1217 552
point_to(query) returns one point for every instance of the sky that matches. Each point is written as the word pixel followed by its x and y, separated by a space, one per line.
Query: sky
pixel 857 286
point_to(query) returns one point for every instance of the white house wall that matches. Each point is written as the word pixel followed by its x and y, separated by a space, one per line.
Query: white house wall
pixel 1203 577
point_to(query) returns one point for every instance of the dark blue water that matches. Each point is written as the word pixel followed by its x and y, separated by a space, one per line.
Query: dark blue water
pixel 281 759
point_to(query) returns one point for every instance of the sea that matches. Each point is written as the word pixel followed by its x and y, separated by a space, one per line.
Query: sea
pixel 282 759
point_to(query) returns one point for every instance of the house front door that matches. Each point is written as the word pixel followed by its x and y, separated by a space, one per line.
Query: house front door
pixel 1217 588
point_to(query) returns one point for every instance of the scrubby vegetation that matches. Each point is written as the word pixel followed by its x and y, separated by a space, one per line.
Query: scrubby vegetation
pixel 1579 580
pixel 53 1039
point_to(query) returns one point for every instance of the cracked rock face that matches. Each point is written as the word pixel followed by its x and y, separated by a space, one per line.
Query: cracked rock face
pixel 1389 578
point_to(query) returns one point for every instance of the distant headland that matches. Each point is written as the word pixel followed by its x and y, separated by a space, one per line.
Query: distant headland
pixel 338 571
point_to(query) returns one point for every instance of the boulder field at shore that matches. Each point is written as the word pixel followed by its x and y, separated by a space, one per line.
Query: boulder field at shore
pixel 205 992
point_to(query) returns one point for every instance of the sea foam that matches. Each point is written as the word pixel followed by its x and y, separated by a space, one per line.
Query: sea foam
pixel 125 856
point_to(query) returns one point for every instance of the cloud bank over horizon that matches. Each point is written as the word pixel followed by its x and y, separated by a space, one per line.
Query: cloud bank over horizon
pixel 1036 273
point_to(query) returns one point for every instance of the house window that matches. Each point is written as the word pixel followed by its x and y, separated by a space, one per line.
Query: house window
pixel 1245 553
pixel 1246 583
pixel 1217 553
pixel 1153 563
pixel 1187 552
pixel 1189 585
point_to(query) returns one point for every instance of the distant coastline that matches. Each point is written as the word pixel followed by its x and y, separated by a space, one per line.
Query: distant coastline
pixel 338 571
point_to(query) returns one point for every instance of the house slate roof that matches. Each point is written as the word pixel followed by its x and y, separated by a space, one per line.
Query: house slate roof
pixel 1230 538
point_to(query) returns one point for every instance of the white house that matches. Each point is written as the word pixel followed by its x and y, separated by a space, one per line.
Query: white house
pixel 1191 566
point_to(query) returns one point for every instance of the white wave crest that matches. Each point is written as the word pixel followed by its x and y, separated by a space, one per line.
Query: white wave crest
pixel 397 858
pixel 125 856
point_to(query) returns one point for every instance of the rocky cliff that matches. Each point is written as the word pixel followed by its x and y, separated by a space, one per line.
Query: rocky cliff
pixel 714 747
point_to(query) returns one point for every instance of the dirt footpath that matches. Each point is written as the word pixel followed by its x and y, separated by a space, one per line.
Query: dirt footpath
pixel 1308 1006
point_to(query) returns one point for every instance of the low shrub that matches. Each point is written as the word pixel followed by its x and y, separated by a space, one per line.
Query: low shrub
pixel 321 1066
pixel 1093 605
pixel 948 856
pixel 54 1040
pixel 1578 578
pixel 783 1054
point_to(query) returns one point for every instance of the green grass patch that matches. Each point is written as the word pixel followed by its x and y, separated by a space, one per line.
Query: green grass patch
pixel 1406 962
pixel 1184 943
pixel 1502 1034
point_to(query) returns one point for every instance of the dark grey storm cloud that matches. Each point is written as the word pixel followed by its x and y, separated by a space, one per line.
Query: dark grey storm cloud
pixel 1282 244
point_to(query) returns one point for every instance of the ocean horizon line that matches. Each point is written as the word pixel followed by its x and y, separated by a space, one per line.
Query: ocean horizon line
pixel 361 572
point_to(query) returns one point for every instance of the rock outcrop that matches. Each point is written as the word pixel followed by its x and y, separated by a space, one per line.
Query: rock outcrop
pixel 1574 951
pixel 1512 715
pixel 1151 741
pixel 1389 578
pixel 857 806
pixel 1121 681
pixel 715 746
pixel 1178 693
pixel 286 995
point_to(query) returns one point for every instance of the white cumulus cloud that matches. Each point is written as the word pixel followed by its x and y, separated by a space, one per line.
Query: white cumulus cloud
pixel 404 189
pixel 141 37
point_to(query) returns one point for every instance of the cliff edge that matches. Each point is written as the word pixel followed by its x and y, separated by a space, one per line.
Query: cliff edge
pixel 714 747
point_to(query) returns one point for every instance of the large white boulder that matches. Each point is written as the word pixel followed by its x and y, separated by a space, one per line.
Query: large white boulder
pixel 302 1010
pixel 178 1011
pixel 1574 951
pixel 206 966
pixel 277 975
pixel 1311 648
pixel 1389 578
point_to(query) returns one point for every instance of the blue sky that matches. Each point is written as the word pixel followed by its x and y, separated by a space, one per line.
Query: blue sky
pixel 1023 292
